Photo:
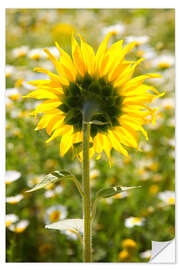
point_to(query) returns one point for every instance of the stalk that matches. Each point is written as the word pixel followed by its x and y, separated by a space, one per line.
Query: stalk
pixel 87 197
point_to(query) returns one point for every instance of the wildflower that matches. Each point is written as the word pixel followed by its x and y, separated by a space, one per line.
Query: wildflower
pixel 94 174
pixel 140 40
pixel 133 221
pixel 145 254
pixel 153 189
pixel 121 195
pixel 19 227
pixel 14 199
pixel 55 213
pixel 13 93
pixel 36 54
pixel 54 192
pixel 163 61
pixel 168 197
pixel 9 71
pixel 19 83
pixel 116 29
pixel 20 52
pixel 104 79
pixel 124 255
pixel 34 180
pixel 11 176
pixel 129 244
pixel 10 219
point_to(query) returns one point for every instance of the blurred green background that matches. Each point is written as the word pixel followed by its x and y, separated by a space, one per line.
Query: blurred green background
pixel 28 31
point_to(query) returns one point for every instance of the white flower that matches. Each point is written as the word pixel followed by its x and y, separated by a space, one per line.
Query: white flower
pixel 121 195
pixel 9 70
pixel 163 61
pixel 14 199
pixel 117 29
pixel 146 254
pixel 54 192
pixel 19 52
pixel 168 197
pixel 134 221
pixel 36 54
pixel 140 40
pixel 19 227
pixel 10 219
pixel 12 93
pixel 11 176
pixel 55 213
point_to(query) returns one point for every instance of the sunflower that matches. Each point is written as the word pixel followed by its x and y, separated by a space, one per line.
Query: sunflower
pixel 105 79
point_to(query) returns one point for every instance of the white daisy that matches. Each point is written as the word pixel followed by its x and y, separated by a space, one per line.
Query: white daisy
pixel 121 195
pixel 168 197
pixel 11 176
pixel 36 54
pixel 20 52
pixel 10 219
pixel 163 61
pixel 117 29
pixel 145 254
pixel 134 221
pixel 14 199
pixel 55 213
pixel 19 227
pixel 52 193
pixel 12 93
pixel 140 40
pixel 9 70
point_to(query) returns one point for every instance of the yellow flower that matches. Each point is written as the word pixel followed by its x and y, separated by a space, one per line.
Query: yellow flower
pixel 104 78
pixel 124 255
pixel 129 244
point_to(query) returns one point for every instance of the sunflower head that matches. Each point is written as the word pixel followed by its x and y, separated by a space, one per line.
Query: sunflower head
pixel 98 88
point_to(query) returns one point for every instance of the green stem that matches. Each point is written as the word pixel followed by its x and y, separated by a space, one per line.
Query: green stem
pixel 78 185
pixel 94 208
pixel 87 197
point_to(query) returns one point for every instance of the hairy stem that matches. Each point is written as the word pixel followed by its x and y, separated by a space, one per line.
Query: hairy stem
pixel 87 197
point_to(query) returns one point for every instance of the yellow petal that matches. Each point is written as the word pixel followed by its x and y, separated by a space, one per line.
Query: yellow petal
pixel 59 80
pixel 77 57
pixel 88 56
pixel 107 147
pixel 60 131
pixel 66 142
pixel 116 144
pixel 100 54
pixel 44 121
pixel 41 94
pixel 57 119
pixel 63 75
pixel 67 62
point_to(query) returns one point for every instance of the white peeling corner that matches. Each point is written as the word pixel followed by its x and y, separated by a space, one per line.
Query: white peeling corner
pixel 163 252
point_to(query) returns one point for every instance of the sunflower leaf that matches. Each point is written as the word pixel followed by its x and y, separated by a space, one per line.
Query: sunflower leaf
pixel 109 192
pixel 75 225
pixel 52 178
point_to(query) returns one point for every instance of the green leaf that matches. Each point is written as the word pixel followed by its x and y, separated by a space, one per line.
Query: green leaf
pixel 52 178
pixel 109 192
pixel 75 225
